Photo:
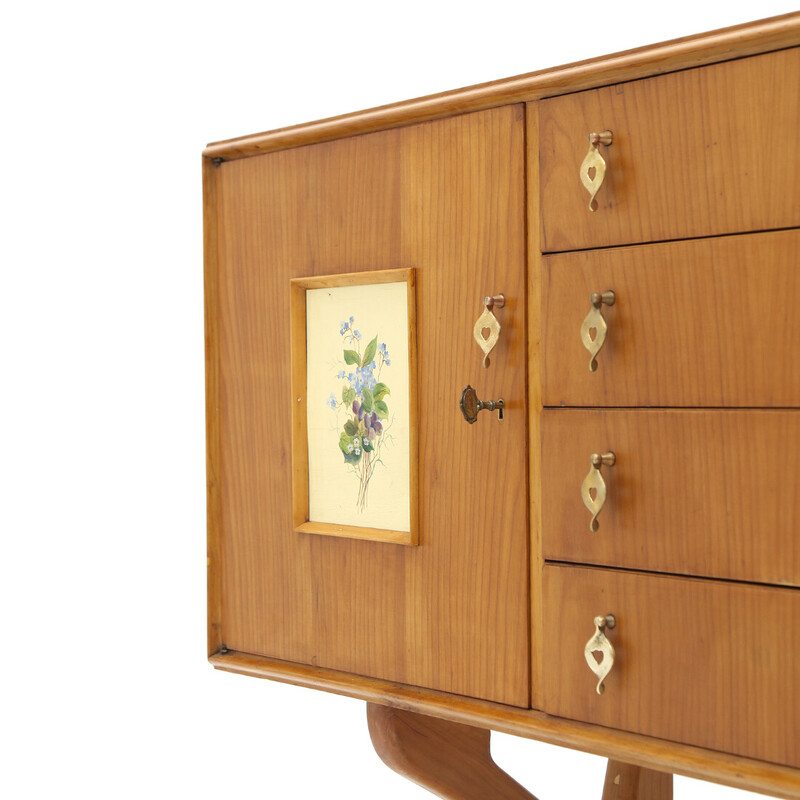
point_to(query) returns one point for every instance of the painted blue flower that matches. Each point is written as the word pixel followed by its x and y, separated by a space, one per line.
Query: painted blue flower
pixel 357 334
pixel 340 374
pixel 352 320
pixel 331 401
pixel 388 363
pixel 343 326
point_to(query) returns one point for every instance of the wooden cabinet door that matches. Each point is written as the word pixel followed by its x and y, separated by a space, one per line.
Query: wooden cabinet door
pixel 446 198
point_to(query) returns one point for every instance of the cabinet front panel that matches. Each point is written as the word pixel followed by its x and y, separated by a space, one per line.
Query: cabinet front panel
pixel 694 153
pixel 706 663
pixel 706 322
pixel 709 493
pixel 446 198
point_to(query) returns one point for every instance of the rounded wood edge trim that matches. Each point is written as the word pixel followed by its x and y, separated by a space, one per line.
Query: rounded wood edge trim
pixel 749 38
pixel 642 751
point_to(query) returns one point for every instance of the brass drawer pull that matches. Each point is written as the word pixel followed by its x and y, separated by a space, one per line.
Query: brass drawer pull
pixel 594 480
pixel 599 643
pixel 470 405
pixel 595 321
pixel 595 161
pixel 488 322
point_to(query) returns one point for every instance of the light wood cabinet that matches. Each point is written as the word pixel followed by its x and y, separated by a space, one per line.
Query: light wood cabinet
pixel 694 569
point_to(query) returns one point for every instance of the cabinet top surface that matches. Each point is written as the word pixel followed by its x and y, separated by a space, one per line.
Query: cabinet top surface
pixel 705 48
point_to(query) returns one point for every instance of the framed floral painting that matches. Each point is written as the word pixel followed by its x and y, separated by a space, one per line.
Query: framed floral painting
pixel 354 436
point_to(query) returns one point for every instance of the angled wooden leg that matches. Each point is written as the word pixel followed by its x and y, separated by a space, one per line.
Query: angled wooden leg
pixel 626 782
pixel 451 760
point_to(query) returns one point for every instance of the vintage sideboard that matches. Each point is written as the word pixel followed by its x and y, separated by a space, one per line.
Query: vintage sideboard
pixel 609 560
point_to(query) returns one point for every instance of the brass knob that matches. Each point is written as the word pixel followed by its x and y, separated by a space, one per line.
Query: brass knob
pixel 595 161
pixel 595 321
pixel 594 480
pixel 599 643
pixel 471 406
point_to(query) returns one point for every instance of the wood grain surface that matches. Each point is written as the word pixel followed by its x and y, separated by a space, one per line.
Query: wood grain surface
pixel 627 782
pixel 452 613
pixel 450 760
pixel 534 365
pixel 697 323
pixel 689 51
pixel 709 663
pixel 696 153
pixel 213 489
pixel 709 493
pixel 632 748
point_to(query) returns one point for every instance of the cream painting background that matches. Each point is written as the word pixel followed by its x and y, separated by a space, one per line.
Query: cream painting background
pixel 380 309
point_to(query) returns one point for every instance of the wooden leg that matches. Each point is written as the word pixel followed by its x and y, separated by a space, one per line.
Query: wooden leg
pixel 451 760
pixel 626 782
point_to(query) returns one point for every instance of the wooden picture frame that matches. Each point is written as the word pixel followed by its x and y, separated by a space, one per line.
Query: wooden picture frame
pixel 359 447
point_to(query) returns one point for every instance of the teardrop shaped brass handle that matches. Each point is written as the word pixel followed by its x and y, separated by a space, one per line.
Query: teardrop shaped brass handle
pixel 488 321
pixel 594 321
pixel 594 161
pixel 594 480
pixel 599 643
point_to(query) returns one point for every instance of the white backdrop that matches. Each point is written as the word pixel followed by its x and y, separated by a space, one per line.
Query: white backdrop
pixel 106 108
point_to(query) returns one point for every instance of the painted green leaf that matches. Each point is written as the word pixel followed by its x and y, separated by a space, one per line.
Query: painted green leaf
pixel 350 428
pixel 349 457
pixel 369 353
pixel 350 357
pixel 368 400
pixel 349 395
pixel 381 409
pixel 380 391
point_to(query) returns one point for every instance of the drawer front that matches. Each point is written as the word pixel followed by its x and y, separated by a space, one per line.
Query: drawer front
pixel 696 323
pixel 700 662
pixel 708 493
pixel 695 153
